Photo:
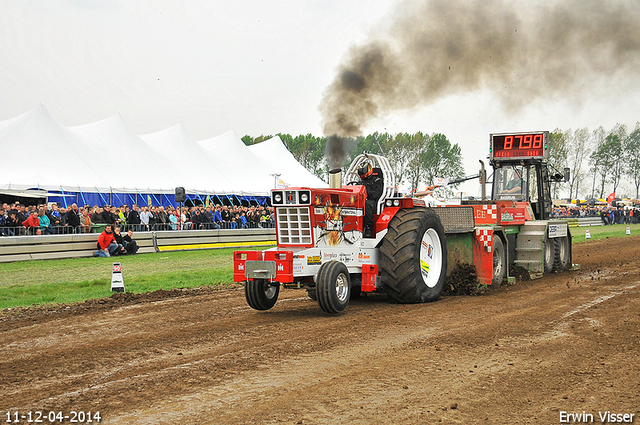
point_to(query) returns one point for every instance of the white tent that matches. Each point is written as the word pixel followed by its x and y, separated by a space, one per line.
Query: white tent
pixel 39 152
pixel 240 162
pixel 131 163
pixel 108 158
pixel 277 159
pixel 195 169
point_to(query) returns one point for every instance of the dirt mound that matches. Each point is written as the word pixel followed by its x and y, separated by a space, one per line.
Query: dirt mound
pixel 463 280
pixel 40 313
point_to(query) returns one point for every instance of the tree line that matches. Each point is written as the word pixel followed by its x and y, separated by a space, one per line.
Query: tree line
pixel 599 160
pixel 417 159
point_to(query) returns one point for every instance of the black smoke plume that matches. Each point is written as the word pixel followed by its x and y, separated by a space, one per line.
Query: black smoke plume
pixel 520 51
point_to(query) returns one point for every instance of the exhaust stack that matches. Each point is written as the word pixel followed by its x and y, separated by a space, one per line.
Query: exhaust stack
pixel 335 178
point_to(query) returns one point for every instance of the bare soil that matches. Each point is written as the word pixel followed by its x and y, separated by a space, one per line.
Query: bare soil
pixel 520 354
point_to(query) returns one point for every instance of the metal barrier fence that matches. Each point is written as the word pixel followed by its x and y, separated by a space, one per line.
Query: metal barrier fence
pixel 98 228
pixel 46 247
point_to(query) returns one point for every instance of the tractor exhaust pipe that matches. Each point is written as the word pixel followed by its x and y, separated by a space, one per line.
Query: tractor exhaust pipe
pixel 335 178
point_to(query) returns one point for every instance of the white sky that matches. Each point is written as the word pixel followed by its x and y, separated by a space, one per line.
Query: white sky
pixel 257 67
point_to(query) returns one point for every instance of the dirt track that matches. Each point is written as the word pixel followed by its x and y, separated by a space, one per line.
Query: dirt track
pixel 568 342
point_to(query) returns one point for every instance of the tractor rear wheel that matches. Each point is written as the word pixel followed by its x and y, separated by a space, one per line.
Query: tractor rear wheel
pixel 333 287
pixel 261 294
pixel 413 256
pixel 562 251
pixel 499 262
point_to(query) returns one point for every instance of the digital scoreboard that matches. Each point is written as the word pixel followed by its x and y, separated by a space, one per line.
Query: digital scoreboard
pixel 519 145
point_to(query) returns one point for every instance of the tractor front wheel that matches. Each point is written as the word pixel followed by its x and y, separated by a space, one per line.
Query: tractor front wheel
pixel 261 294
pixel 413 256
pixel 333 287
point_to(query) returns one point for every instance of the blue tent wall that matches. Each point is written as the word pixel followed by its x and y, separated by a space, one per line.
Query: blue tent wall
pixel 119 199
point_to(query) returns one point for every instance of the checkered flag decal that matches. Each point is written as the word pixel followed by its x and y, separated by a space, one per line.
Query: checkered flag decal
pixel 486 237
pixel 492 211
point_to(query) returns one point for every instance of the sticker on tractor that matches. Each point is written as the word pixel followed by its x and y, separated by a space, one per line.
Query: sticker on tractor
pixel 424 266
pixel 314 260
pixel 429 249
pixel 557 230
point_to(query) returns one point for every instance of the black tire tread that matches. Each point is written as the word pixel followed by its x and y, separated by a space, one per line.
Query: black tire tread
pixel 325 290
pixel 397 256
pixel 560 264
pixel 256 298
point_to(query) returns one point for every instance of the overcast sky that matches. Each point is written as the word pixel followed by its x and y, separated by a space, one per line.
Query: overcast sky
pixel 257 67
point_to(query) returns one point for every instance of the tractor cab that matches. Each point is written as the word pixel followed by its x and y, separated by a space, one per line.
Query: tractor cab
pixel 521 172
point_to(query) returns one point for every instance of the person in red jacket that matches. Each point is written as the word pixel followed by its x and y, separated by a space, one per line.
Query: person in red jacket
pixel 107 245
pixel 32 223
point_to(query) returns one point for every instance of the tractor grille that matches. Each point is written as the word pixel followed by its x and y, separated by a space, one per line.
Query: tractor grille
pixel 294 225
pixel 456 219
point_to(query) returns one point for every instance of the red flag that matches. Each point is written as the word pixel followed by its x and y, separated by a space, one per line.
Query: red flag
pixel 612 197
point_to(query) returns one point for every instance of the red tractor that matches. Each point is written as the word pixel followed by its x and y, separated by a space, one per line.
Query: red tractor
pixel 412 248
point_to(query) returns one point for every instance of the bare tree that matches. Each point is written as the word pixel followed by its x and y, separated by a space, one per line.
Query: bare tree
pixel 576 154
pixel 632 157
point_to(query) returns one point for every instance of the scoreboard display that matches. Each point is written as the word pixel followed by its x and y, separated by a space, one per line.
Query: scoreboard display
pixel 519 145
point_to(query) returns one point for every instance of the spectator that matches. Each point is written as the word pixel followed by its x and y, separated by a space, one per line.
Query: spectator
pixel 107 216
pixel 217 217
pixel 32 223
pixel 199 220
pixel 174 219
pixel 132 245
pixel 84 220
pixel 73 220
pixel 96 215
pixel 54 215
pixel 12 222
pixel 153 218
pixel 121 219
pixel 145 216
pixel 5 229
pixel 162 217
pixel 107 245
pixel 45 223
pixel 134 217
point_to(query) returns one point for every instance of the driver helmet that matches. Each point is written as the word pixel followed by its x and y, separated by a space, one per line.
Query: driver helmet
pixel 365 171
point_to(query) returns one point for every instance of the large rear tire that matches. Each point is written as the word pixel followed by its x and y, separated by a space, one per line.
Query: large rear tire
pixel 333 287
pixel 562 254
pixel 499 262
pixel 413 257
pixel 261 294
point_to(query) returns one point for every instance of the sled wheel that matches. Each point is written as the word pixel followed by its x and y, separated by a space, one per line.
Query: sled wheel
pixel 261 294
pixel 563 254
pixel 549 254
pixel 312 294
pixel 499 262
pixel 413 256
pixel 333 287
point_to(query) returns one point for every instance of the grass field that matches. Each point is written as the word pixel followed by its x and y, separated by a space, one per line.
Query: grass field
pixel 578 234
pixel 65 281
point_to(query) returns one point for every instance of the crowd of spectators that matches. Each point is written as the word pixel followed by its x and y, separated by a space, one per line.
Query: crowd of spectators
pixel 608 214
pixel 18 219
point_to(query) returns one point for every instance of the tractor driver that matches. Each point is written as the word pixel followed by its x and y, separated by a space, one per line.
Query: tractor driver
pixel 372 181
pixel 514 186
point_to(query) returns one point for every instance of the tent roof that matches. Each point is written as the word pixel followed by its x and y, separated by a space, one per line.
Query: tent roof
pixel 41 152
pixel 278 160
pixel 108 156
